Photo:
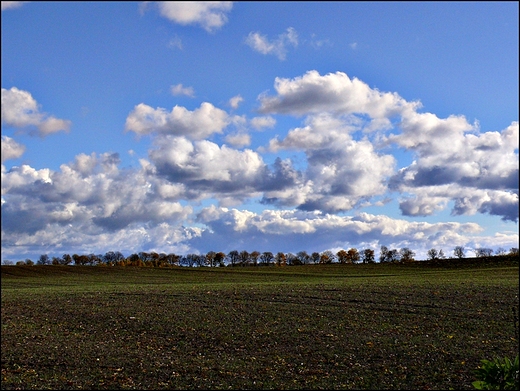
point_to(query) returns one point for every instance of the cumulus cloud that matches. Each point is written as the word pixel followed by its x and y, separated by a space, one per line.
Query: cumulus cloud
pixel 479 171
pixel 340 171
pixel 332 93
pixel 20 110
pixel 179 89
pixel 92 191
pixel 446 150
pixel 278 47
pixel 11 149
pixel 210 15
pixel 210 170
pixel 197 124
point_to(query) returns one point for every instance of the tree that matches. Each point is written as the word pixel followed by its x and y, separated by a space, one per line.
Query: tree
pixel 501 251
pixel 29 262
pixel 133 260
pixel 407 255
pixel 303 257
pixel 342 256
pixel 110 258
pixel 458 251
pixel 94 259
pixel 368 255
pixel 67 259
pixel 483 252
pixel 280 259
pixel 210 258
pixel 432 254
pixel 267 257
pixel 315 257
pixel 219 258
pixel 200 260
pixel 191 259
pixel 327 257
pixel 353 255
pixel 254 257
pixel 234 257
pixel 292 259
pixel 244 257
pixel 383 254
pixel 43 260
pixel 56 261
pixel 393 255
pixel 513 251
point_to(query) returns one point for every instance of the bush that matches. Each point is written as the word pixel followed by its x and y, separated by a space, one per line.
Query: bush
pixel 497 375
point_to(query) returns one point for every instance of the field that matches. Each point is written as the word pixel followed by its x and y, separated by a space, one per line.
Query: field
pixel 299 327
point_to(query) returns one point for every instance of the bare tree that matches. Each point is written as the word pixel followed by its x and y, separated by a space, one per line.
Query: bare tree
pixel 458 251
pixel 383 254
pixel 483 252
pixel 292 259
pixel 432 254
pixel 244 257
pixel 267 257
pixel 303 257
pixel 234 257
pixel 407 255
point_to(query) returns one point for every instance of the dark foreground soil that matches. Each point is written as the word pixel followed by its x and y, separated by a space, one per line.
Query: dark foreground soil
pixel 370 331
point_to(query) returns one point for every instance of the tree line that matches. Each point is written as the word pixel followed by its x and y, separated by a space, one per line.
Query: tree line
pixel 255 258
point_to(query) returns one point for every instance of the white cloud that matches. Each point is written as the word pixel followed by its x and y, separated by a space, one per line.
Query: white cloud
pixel 478 171
pixel 205 166
pixel 332 93
pixel 340 171
pixel 11 149
pixel 179 89
pixel 239 139
pixel 263 122
pixel 197 124
pixel 91 192
pixel 12 4
pixel 235 101
pixel 278 47
pixel 20 110
pixel 210 15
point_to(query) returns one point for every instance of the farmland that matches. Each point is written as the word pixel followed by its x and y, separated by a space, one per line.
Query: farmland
pixel 301 327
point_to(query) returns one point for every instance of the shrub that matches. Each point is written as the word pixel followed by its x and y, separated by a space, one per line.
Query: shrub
pixel 497 375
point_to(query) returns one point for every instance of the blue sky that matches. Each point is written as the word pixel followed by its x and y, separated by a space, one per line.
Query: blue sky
pixel 268 126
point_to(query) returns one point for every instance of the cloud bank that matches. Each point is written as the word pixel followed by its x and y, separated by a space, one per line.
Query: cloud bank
pixel 346 140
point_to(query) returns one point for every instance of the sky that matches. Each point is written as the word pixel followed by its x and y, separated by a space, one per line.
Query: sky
pixel 189 127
